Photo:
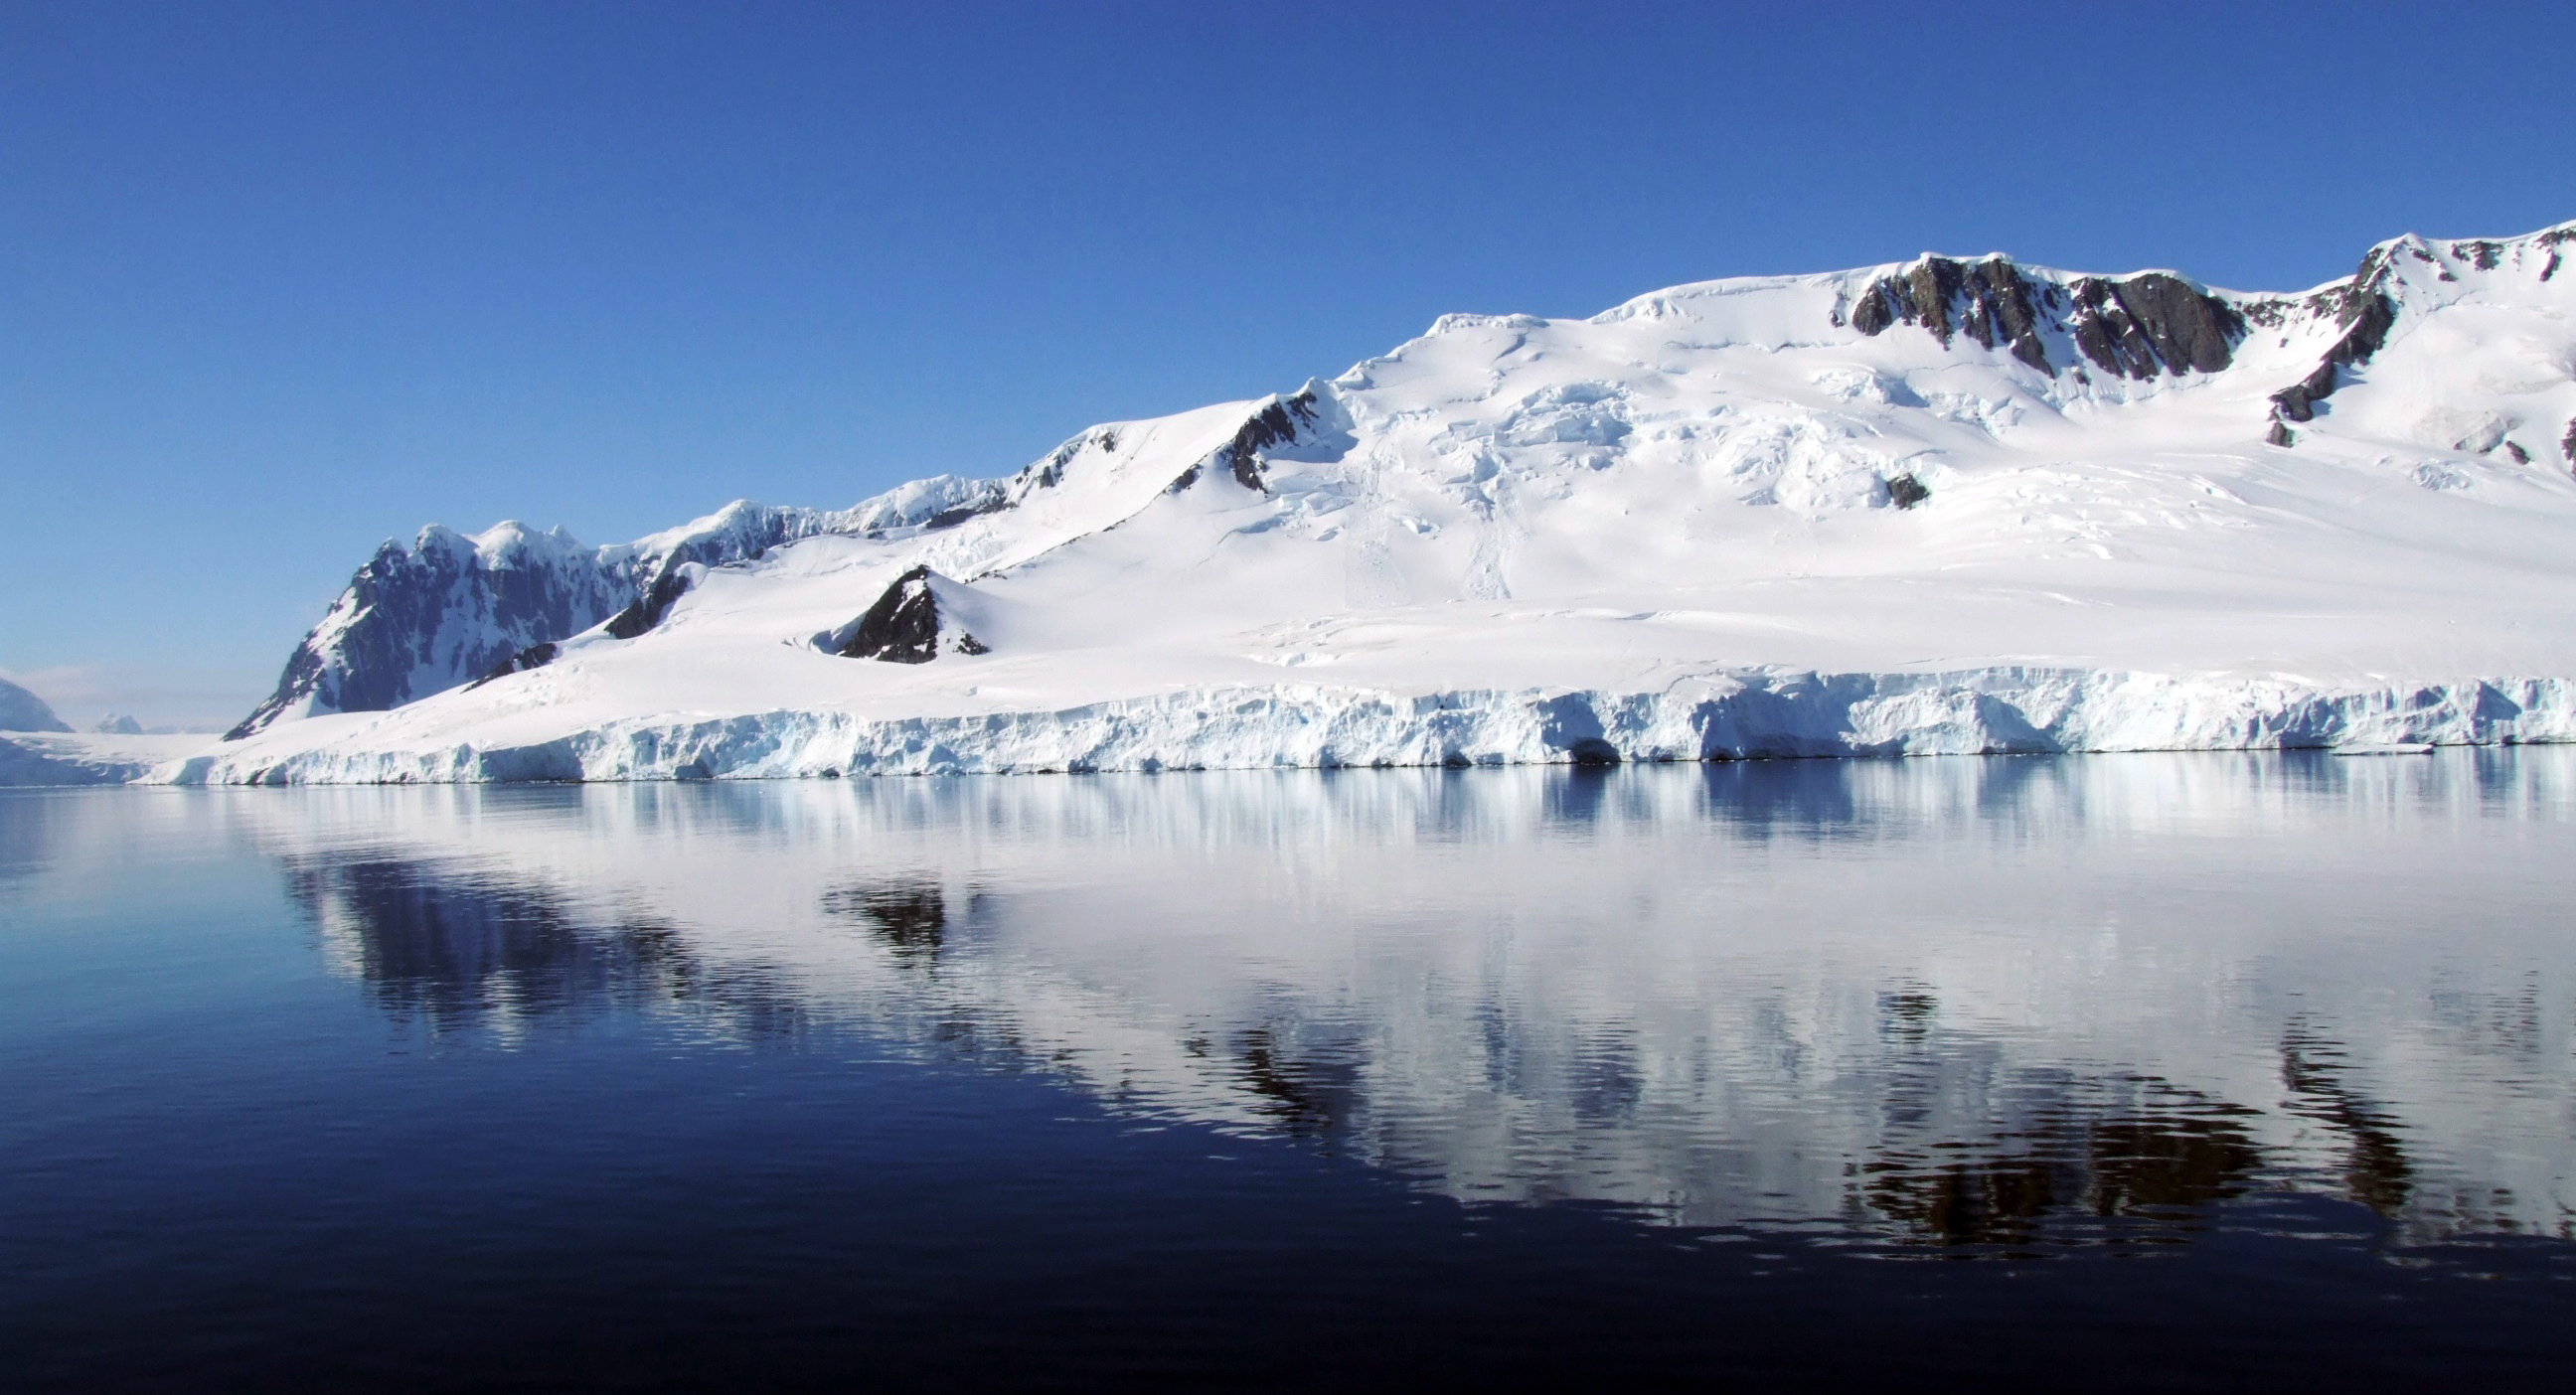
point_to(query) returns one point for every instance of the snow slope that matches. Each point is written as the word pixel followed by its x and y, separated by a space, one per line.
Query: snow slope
pixel 1943 506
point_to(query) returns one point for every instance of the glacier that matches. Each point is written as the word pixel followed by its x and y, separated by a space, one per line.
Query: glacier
pixel 1948 506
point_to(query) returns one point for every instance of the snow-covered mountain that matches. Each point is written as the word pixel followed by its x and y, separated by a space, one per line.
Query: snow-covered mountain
pixel 1947 505
pixel 445 612
pixel 21 710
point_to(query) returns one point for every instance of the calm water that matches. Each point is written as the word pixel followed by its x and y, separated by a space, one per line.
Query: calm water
pixel 2155 1072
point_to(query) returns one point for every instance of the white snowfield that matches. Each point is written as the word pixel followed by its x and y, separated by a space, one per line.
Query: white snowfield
pixel 1682 529
pixel 88 757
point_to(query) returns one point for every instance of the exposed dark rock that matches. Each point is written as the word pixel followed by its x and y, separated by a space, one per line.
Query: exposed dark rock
pixel 2153 323
pixel 2520 456
pixel 534 656
pixel 991 501
pixel 2136 326
pixel 303 673
pixel 1905 491
pixel 442 605
pixel 420 620
pixel 903 626
pixel 647 610
pixel 1049 473
pixel 1990 300
pixel 1280 423
pixel 2297 402
pixel 2281 434
pixel 2366 318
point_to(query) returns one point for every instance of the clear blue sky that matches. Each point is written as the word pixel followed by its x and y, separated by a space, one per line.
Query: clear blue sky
pixel 280 281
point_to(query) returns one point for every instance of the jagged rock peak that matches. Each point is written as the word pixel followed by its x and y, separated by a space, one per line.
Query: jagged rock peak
pixel 2132 326
pixel 452 607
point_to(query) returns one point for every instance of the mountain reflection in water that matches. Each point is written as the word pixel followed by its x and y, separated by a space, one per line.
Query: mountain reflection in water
pixel 2017 1004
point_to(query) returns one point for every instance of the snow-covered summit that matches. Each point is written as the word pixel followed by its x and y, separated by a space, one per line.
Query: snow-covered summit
pixel 2001 506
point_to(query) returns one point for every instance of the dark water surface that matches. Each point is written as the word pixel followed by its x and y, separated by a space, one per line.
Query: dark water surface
pixel 2166 1072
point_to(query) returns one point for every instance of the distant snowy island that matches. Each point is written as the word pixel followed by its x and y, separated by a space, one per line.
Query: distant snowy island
pixel 38 747
pixel 1944 506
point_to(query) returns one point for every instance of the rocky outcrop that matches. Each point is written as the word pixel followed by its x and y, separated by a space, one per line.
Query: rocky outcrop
pixel 2142 325
pixel 1278 424
pixel 2133 326
pixel 534 656
pixel 419 620
pixel 2364 312
pixel 451 609
pixel 1905 491
pixel 990 500
pixel 2366 320
pixel 1990 301
pixel 646 611
pixel 902 627
pixel 1281 421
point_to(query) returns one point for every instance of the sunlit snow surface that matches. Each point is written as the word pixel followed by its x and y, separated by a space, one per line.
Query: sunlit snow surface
pixel 1663 532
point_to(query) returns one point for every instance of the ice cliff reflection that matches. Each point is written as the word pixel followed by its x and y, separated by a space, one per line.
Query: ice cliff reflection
pixel 1975 1003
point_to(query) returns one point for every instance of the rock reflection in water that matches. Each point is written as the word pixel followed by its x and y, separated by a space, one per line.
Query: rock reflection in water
pixel 455 950
pixel 2013 1003
pixel 2375 1169
pixel 2133 1150
pixel 908 918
